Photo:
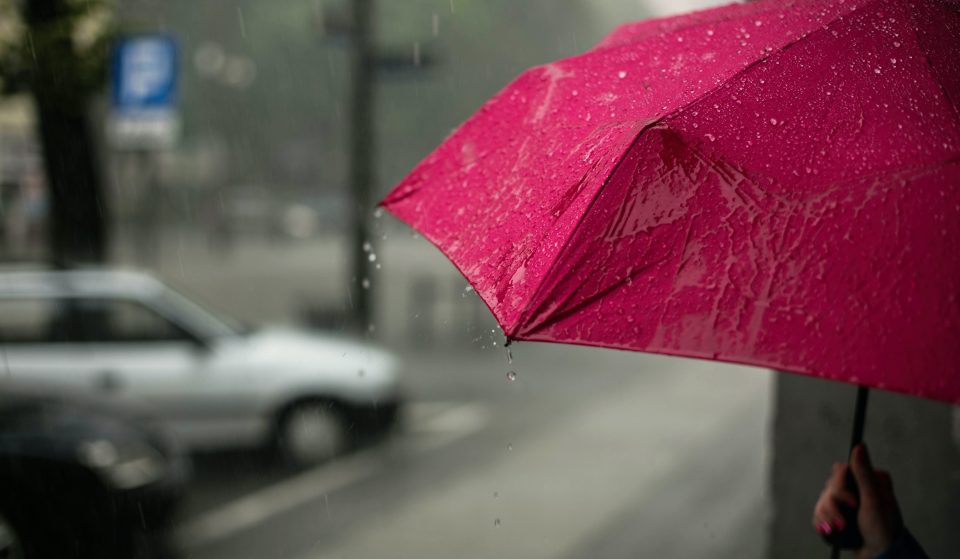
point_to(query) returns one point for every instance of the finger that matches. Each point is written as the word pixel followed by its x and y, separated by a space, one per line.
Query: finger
pixel 846 497
pixel 827 517
pixel 884 481
pixel 864 473
pixel 838 477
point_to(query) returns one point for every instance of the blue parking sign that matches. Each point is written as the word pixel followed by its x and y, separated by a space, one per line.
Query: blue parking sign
pixel 144 91
pixel 145 72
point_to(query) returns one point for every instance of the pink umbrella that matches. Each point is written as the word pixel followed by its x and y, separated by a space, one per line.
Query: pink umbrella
pixel 760 184
pixel 769 184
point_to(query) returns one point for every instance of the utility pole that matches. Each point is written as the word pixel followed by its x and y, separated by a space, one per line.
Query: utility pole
pixel 363 60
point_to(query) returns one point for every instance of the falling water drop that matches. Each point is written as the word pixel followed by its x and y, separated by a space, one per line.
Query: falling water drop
pixel 367 246
pixel 509 354
pixel 511 376
pixel 365 283
pixel 372 257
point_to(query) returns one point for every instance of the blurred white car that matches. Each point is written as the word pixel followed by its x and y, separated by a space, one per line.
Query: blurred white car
pixel 214 383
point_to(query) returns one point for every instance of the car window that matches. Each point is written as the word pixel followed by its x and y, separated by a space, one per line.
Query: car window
pixel 71 320
pixel 26 320
pixel 101 320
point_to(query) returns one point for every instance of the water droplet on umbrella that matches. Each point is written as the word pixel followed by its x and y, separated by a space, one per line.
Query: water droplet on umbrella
pixel 622 74
pixel 710 137
pixel 709 32
pixel 896 44
pixel 773 121
pixel 876 70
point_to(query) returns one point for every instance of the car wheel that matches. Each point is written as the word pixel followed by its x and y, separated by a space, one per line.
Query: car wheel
pixel 311 433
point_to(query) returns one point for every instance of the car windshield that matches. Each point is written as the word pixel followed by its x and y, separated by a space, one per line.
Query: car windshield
pixel 200 318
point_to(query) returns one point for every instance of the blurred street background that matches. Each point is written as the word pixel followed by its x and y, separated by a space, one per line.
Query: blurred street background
pixel 254 194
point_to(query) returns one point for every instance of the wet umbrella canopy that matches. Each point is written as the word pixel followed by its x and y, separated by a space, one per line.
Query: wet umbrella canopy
pixel 769 184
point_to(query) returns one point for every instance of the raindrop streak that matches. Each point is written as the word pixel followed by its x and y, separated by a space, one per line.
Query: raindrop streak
pixel 509 355
pixel 511 376
pixel 436 25
pixel 243 25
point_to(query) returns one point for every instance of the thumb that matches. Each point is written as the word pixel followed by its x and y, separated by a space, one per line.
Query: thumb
pixel 863 472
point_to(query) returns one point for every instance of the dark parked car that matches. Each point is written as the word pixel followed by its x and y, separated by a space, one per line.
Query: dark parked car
pixel 79 478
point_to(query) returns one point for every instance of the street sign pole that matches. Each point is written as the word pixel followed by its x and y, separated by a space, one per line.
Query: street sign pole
pixel 361 161
pixel 144 119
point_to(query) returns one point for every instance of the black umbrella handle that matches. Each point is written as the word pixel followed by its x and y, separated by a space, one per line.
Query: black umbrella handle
pixel 850 537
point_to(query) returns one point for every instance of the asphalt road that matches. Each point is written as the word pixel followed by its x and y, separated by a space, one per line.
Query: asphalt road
pixel 588 453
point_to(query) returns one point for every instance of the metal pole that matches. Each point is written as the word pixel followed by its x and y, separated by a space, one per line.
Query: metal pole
pixel 361 160
pixel 852 532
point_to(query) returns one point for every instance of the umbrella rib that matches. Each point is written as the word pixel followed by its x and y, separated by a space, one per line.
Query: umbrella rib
pixel 531 306
pixel 748 67
pixel 955 106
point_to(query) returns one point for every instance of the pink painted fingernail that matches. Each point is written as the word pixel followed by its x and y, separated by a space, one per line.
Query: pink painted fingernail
pixel 825 528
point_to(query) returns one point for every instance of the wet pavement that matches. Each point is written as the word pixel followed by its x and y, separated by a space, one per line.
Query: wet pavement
pixel 588 453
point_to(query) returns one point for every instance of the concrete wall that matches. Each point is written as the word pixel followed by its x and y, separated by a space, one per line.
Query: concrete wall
pixel 916 440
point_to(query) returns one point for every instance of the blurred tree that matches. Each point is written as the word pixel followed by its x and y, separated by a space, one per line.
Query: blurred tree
pixel 58 51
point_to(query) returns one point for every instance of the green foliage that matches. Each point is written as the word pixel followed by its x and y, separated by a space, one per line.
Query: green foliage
pixel 63 60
